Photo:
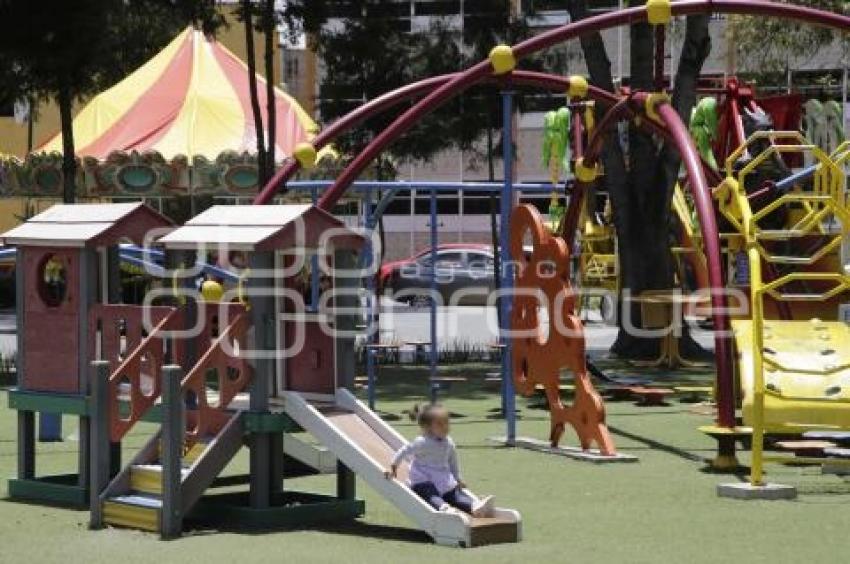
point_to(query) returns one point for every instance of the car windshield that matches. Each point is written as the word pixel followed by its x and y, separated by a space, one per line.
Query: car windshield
pixel 444 259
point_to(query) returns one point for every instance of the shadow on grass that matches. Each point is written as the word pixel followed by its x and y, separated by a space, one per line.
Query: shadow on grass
pixel 410 383
pixel 45 503
pixel 371 530
pixel 353 528
pixel 657 445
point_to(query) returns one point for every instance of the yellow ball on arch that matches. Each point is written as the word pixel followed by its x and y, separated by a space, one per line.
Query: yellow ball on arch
pixel 502 59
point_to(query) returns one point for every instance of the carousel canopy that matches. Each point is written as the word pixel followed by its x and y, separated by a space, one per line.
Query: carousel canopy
pixel 191 99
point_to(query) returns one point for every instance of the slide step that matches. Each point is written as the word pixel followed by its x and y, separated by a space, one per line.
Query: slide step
pixel 133 511
pixel 493 530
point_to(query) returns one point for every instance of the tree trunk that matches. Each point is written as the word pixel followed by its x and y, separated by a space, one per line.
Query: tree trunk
pixel 641 190
pixel 646 262
pixel 271 109
pixel 248 20
pixel 69 159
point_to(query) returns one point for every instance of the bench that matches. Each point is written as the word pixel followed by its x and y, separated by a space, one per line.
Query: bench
pixel 839 437
pixel 806 448
pixel 493 380
pixel 445 382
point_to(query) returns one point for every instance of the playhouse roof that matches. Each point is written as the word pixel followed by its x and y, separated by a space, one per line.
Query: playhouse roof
pixel 191 99
pixel 260 228
pixel 79 225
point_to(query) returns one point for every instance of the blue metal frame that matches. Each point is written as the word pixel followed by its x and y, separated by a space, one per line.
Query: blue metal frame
pixel 506 188
pixel 373 211
pixel 372 331
pixel 432 303
pixel 506 280
pixel 362 186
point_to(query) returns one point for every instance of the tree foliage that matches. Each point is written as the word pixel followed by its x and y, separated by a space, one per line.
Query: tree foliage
pixel 369 52
pixel 764 45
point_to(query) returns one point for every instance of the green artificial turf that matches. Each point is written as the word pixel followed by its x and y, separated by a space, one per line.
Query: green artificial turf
pixel 660 509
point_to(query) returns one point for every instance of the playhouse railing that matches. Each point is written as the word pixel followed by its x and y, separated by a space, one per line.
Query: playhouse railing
pixel 135 358
pixel 219 375
pixel 825 213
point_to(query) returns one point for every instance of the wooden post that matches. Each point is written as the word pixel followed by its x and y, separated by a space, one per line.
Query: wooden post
pixel 345 324
pixel 171 516
pixel 264 318
pixel 26 445
pixel 113 275
pixel 20 318
pixel 346 483
pixel 345 321
pixel 88 297
pixel 100 450
pixel 26 419
pixel 176 259
pixel 276 468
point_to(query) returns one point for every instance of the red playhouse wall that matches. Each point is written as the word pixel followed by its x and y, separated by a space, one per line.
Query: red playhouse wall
pixel 51 334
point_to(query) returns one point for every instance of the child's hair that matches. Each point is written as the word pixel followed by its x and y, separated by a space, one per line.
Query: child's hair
pixel 426 414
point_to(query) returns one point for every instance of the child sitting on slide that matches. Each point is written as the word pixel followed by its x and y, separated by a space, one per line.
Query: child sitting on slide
pixel 434 471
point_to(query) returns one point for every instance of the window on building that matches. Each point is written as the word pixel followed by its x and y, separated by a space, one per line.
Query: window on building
pixel 538 6
pixel 437 8
pixel 291 69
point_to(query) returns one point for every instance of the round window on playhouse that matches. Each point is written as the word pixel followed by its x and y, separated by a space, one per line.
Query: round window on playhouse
pixel 52 280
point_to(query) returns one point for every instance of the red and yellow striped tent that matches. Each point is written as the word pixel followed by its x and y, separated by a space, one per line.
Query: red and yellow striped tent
pixel 191 99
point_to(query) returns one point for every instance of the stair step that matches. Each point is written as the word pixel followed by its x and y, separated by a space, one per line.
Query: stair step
pixel 139 500
pixel 193 454
pixel 133 511
pixel 147 478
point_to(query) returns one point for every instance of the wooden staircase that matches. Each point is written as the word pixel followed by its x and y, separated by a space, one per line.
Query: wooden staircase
pixel 211 433
pixel 134 498
pixel 139 508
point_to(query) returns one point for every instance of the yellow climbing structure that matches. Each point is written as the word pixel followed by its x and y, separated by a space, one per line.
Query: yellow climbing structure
pixel 794 375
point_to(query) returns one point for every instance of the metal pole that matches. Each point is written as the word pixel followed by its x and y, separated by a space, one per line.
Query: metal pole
pixel 314 265
pixel 845 82
pixel 705 212
pixel 432 303
pixel 372 333
pixel 506 282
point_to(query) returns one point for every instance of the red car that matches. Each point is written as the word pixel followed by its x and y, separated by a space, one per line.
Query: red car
pixel 460 266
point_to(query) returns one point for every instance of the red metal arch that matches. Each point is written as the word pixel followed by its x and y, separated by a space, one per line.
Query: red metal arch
pixel 699 186
pixel 475 74
pixel 395 97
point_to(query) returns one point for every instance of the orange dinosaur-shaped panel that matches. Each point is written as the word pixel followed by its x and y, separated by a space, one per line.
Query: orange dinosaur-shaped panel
pixel 547 335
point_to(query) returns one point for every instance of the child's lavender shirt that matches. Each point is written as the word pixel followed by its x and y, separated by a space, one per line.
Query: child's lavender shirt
pixel 432 460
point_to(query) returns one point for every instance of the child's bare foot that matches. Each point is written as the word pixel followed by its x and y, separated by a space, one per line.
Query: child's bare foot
pixel 483 507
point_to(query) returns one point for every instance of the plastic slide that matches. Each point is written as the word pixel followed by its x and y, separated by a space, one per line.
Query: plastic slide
pixel 365 444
